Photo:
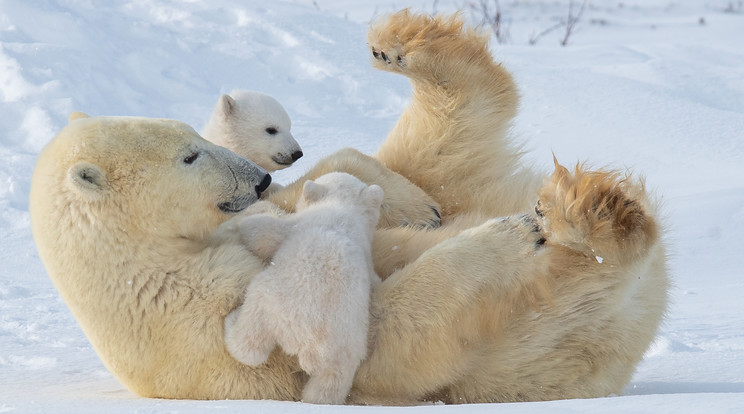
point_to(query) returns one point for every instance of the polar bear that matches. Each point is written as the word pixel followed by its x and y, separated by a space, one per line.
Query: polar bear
pixel 125 217
pixel 318 285
pixel 499 298
pixel 255 126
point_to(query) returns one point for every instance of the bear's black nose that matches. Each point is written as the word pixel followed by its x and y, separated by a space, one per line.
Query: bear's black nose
pixel 296 155
pixel 264 185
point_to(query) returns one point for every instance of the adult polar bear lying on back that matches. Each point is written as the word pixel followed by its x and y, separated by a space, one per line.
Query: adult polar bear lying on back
pixel 124 213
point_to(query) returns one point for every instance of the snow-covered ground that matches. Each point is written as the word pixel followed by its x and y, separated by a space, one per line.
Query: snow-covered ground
pixel 655 86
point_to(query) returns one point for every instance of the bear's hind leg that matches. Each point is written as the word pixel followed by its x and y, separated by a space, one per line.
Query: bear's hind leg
pixel 603 214
pixel 436 316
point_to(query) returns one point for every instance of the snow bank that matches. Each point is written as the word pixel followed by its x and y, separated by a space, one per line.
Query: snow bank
pixel 654 86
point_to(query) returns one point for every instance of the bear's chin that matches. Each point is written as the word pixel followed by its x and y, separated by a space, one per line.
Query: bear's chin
pixel 237 204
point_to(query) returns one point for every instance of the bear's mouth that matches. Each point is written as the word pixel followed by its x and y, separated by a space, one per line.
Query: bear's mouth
pixel 285 161
pixel 241 202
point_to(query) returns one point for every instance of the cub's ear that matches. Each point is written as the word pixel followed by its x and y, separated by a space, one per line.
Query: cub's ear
pixel 312 191
pixel 373 195
pixel 226 105
pixel 77 115
pixel 87 179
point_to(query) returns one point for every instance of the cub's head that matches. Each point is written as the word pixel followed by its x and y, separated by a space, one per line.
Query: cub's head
pixel 149 178
pixel 341 188
pixel 257 127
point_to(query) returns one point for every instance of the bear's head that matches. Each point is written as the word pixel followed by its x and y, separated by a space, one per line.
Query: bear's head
pixel 146 178
pixel 342 189
pixel 256 126
pixel 122 212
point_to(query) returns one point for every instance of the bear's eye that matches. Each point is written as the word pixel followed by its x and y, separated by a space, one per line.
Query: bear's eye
pixel 191 158
pixel 271 130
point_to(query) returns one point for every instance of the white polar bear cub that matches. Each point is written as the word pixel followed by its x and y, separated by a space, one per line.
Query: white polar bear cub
pixel 313 299
pixel 255 126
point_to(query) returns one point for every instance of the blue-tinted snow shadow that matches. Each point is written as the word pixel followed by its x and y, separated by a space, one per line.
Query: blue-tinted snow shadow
pixel 649 388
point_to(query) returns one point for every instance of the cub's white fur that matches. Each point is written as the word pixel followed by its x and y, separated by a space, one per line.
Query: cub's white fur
pixel 313 299
pixel 255 126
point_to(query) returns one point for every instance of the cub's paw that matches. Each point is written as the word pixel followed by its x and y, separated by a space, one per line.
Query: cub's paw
pixel 600 213
pixel 413 43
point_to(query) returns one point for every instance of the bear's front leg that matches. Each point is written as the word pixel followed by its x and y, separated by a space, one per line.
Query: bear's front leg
pixel 452 139
pixel 403 204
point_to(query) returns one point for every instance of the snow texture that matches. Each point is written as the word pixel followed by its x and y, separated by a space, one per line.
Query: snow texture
pixel 654 86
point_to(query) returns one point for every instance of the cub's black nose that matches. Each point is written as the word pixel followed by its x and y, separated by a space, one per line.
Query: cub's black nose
pixel 264 184
pixel 296 155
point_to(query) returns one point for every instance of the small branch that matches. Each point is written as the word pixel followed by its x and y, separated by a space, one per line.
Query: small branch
pixel 494 19
pixel 732 7
pixel 572 20
pixel 535 37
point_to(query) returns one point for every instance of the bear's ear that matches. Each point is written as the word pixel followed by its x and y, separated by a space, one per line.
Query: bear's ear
pixel 88 179
pixel 226 105
pixel 373 195
pixel 77 115
pixel 312 191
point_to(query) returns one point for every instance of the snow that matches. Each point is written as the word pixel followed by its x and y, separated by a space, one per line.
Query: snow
pixel 654 86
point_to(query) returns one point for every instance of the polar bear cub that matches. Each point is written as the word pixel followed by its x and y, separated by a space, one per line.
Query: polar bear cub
pixel 255 126
pixel 313 298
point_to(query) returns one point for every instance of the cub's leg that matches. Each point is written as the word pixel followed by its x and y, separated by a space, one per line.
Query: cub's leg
pixel 247 336
pixel 328 385
pixel 452 138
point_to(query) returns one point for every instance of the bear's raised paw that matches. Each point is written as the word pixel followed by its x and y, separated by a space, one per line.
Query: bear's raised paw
pixel 415 44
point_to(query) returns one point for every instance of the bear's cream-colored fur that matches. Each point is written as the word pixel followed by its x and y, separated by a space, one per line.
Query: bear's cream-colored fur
pixel 255 126
pixel 481 309
pixel 124 212
pixel 313 298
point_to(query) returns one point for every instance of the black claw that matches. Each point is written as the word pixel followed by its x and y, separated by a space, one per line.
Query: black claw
pixel 375 54
pixel 541 241
pixel 400 60
pixel 436 212
pixel 537 209
pixel 438 221
pixel 384 57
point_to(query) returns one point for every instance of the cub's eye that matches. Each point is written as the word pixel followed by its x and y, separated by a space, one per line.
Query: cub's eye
pixel 271 130
pixel 191 158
